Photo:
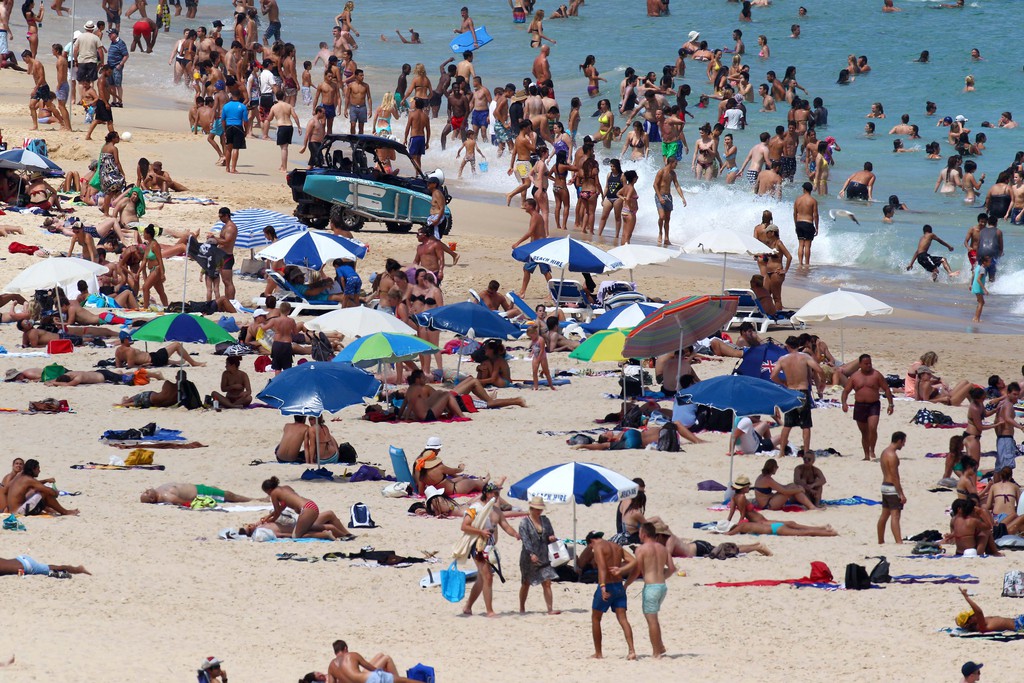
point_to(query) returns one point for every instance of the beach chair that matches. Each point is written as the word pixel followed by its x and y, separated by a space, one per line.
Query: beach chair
pixel 570 296
pixel 746 309
pixel 400 464
pixel 300 305
pixel 623 299
pixel 780 319
pixel 526 309
pixel 474 297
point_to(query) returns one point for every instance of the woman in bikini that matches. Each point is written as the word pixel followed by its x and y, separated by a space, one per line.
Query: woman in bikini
pixel 590 192
pixel 344 20
pixel 423 296
pixel 765 52
pixel 431 471
pixel 1001 497
pixel 771 495
pixel 311 523
pixel 589 69
pixel 929 388
pixel 730 169
pixel 574 119
pixel 971 185
pixel 948 181
pixel 612 203
pixel 775 270
pixel 536 30
pixel 32 23
pixel 760 231
pixel 320 445
pixel 967 485
pixel 952 464
pixel 539 175
pixel 976 413
pixel 560 176
pixel 704 155
pixel 636 140
pixel 967 530
pixel 753 522
pixel 630 204
pixel 152 270
pixel 605 123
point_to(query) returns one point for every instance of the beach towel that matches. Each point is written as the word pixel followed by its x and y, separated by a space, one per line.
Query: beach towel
pixel 935 578
pixel 997 636
pixel 151 432
pixel 523 383
pixel 852 500
pixel 820 577
pixel 174 445
pixel 101 466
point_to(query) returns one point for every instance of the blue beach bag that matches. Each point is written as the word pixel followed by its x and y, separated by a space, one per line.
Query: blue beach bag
pixel 453 583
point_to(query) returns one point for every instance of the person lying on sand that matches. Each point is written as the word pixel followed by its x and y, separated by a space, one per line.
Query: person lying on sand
pixel 127 357
pixel 627 439
pixel 753 522
pixel 429 470
pixel 36 338
pixel 472 385
pixel 74 378
pixel 184 494
pixel 684 547
pixel 27 494
pixel 311 523
pixel 975 621
pixel 167 397
pixel 25 565
pixel 352 668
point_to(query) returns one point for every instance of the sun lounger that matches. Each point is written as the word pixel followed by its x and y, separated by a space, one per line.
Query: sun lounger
pixel 520 303
pixel 570 296
pixel 300 305
pixel 749 310
pixel 400 464
pixel 473 296
pixel 623 299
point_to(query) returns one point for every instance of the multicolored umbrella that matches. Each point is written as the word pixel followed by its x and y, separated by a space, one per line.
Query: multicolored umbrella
pixel 384 347
pixel 251 223
pixel 623 318
pixel 182 327
pixel 678 324
pixel 604 345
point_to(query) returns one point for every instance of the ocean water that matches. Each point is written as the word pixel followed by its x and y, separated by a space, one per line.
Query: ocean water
pixel 870 256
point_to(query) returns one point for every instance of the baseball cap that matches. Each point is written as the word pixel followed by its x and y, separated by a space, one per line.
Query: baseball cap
pixel 970 668
pixel 124 336
pixel 434 442
pixel 947 119
pixel 960 118
pixel 258 312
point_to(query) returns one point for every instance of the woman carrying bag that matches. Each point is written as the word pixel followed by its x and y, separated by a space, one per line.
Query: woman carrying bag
pixel 536 533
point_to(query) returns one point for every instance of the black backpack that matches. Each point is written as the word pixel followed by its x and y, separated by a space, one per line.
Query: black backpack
pixel 713 419
pixel 857 577
pixel 668 438
pixel 880 573
pixel 322 349
pixel 188 394
pixel 633 419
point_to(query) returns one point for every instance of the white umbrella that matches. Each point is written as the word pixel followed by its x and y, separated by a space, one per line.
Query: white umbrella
pixel 725 242
pixel 838 305
pixel 359 321
pixel 54 272
pixel 313 249
pixel 633 255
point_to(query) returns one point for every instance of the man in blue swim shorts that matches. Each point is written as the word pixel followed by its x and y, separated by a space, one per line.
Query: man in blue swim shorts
pixel 610 594
pixel 654 559
pixel 351 666
pixel 23 564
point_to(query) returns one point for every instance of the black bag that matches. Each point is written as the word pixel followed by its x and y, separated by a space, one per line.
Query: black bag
pixel 322 349
pixel 895 381
pixel 346 454
pixel 714 420
pixel 632 387
pixel 633 419
pixel 880 573
pixel 188 394
pixel 668 438
pixel 857 577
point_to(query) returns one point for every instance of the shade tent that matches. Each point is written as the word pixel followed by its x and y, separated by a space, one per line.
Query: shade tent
pixel 576 482
pixel 358 321
pixel 743 396
pixel 839 305
pixel 679 323
pixel 313 250
pixel 251 223
pixel 725 242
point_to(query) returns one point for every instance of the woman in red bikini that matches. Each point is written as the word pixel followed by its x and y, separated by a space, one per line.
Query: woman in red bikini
pixel 311 523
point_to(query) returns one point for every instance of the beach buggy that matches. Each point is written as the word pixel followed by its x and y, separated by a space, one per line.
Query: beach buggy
pixel 352 171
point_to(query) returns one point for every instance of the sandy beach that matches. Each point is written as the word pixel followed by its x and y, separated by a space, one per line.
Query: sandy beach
pixel 165 592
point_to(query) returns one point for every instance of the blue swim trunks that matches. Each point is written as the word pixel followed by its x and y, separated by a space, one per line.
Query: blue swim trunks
pixel 653 596
pixel 479 118
pixel 531 266
pixel 417 145
pixel 616 598
pixel 33 566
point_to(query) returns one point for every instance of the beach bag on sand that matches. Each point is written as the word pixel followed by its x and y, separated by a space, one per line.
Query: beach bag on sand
pixel 397 489
pixel 668 438
pixel 558 554
pixel 188 394
pixel 421 672
pixel 359 517
pixel 453 583
pixel 927 548
pixel 1013 584
pixel 856 578
pixel 713 420
pixel 880 573
pixel 322 349
pixel 723 551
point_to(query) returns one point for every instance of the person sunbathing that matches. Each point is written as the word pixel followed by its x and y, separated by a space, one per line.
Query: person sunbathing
pixel 975 621
pixel 629 439
pixel 184 494
pixel 555 340
pixel 36 338
pixel 970 530
pixel 159 179
pixel 320 445
pixel 684 547
pixel 430 470
pixel 167 397
pixel 234 382
pixel 437 504
pixel 293 440
pixel 753 522
pixel 426 404
pixel 771 495
pixel 74 378
pixel 27 494
pixel 350 667
pixel 1001 497
pixel 494 370
pixel 16 467
pixel 23 565
pixel 930 388
pixel 474 386
pixel 26 375
pixel 126 356
pixel 311 523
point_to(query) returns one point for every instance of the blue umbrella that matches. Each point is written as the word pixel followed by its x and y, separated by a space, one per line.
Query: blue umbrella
pixel 251 223
pixel 314 387
pixel 465 316
pixel 743 395
pixel 626 317
pixel 582 482
pixel 26 160
pixel 313 249
pixel 568 254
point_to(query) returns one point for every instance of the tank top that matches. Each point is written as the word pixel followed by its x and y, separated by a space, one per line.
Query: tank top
pixel 614 183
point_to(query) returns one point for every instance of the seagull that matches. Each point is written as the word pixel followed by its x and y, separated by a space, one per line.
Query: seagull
pixel 835 213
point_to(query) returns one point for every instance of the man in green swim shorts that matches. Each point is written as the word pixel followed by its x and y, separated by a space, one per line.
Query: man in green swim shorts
pixel 657 566
pixel 184 494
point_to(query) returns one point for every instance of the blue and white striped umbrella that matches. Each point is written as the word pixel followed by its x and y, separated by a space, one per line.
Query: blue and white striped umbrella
pixel 313 250
pixel 581 482
pixel 251 222
pixel 623 318
pixel 569 254
pixel 20 159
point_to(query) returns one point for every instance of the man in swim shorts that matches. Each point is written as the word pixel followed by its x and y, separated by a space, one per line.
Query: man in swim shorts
pixel 796 370
pixel 893 499
pixel 655 562
pixel 127 357
pixel 25 565
pixel 351 666
pixel 418 125
pixel 805 217
pixel 927 261
pixel 167 397
pixel 1006 423
pixel 184 494
pixel 860 184
pixel 610 594
pixel 866 384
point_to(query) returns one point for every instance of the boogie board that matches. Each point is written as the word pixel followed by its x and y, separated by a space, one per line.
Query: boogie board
pixel 464 41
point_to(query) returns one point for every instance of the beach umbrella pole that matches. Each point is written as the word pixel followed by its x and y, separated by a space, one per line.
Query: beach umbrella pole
pixel 842 344
pixel 725 259
pixel 575 546
pixel 732 457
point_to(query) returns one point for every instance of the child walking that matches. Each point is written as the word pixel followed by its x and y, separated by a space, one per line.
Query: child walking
pixel 538 349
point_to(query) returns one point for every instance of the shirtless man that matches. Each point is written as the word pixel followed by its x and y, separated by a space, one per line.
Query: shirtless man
pixel 447 71
pixel 805 216
pixel 610 593
pixel 358 101
pixel 859 185
pixel 293 439
pixel 903 127
pixel 769 181
pixel 284 328
pixel 5 27
pixel 234 383
pixel 493 299
pixel 810 478
pixel 184 494
pixel 535 231
pixel 1006 423
pixel 1015 214
pixel 32 337
pixel 467 26
pixel 226 242
pixel 757 158
pixel 800 372
pixel 664 179
pixel 481 107
pixel 350 667
pixel 62 84
pixel 653 561
pixel 127 357
pixel 41 96
pixel 494 371
pixel 29 495
pixel 524 149
pixel 282 114
pixel 272 12
pixel 458 107
pixel 429 254
pixel 465 67
pixel 893 499
pixel 790 141
pixel 541 68
pixel 437 219
pixel 328 96
pixel 74 378
pixel 316 130
pixel 672 136
pixel 425 404
pixel 928 262
pixel 166 397
pixel 866 385
pixel 418 124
